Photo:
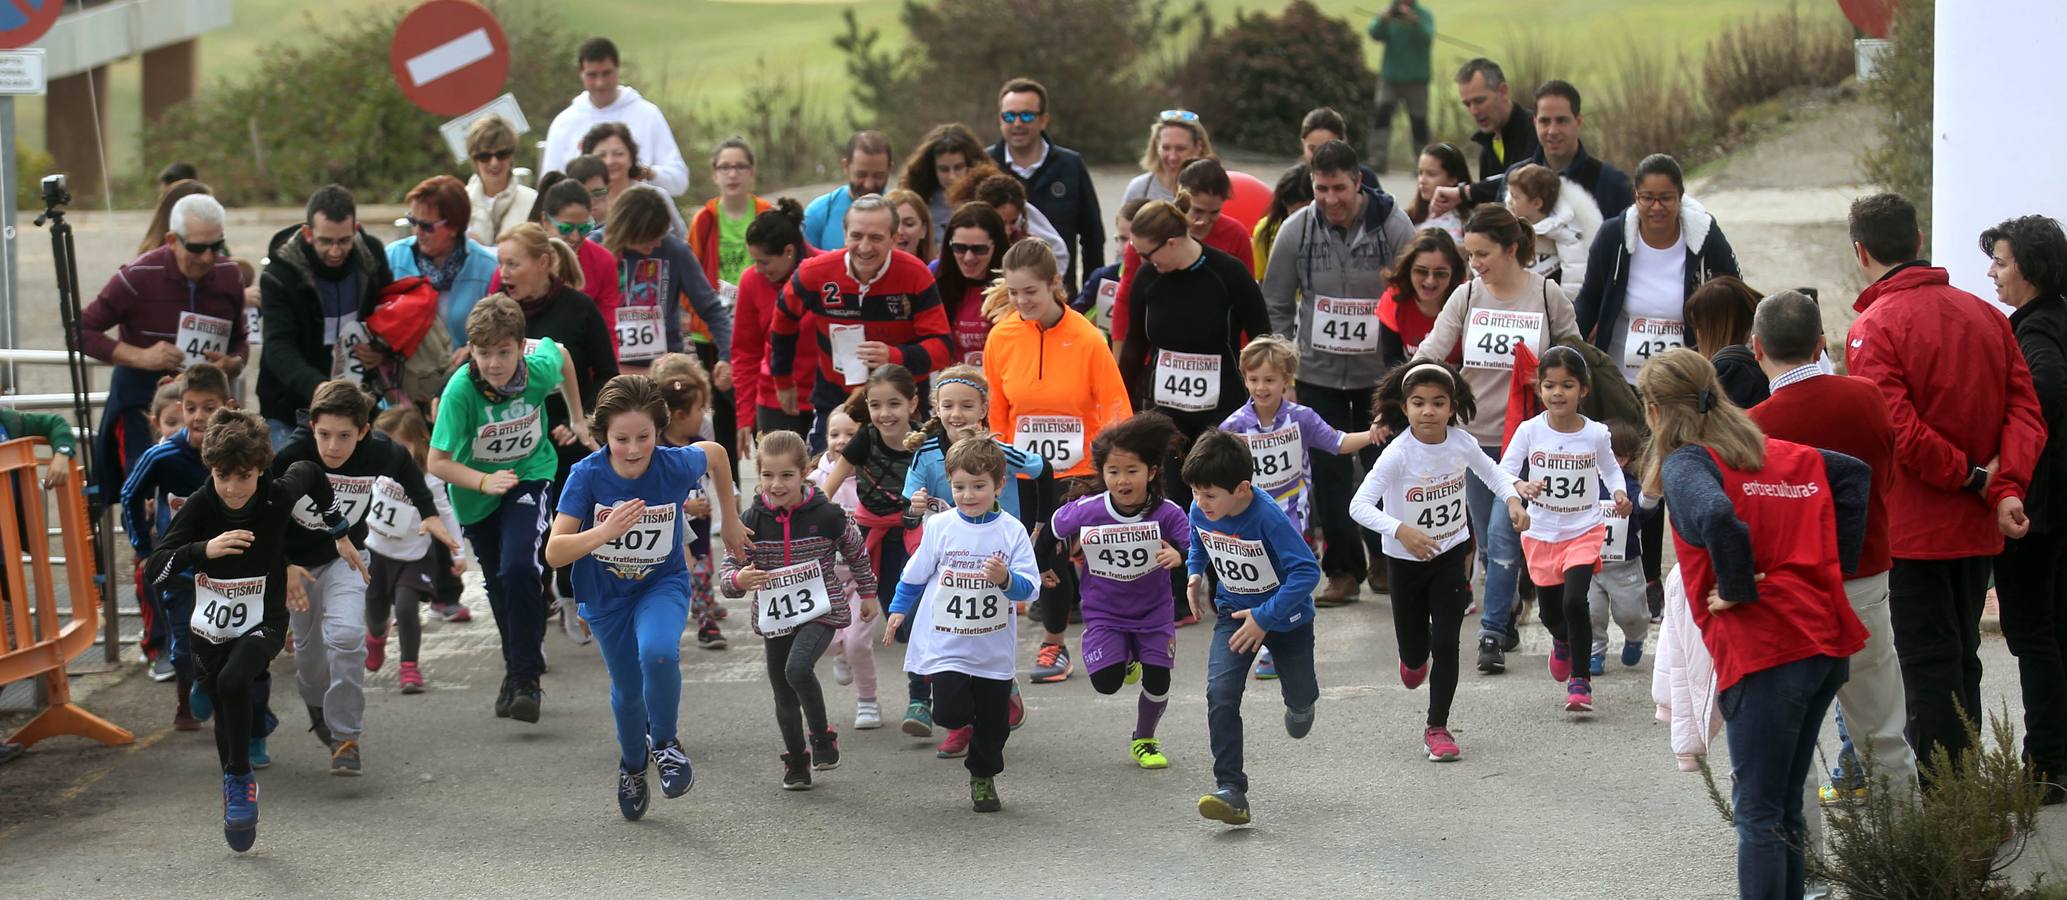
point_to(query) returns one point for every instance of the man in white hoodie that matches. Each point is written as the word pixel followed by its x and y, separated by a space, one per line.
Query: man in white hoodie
pixel 604 100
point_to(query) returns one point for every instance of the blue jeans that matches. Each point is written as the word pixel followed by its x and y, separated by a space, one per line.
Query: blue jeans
pixel 1773 717
pixel 1499 554
pixel 177 595
pixel 279 432
pixel 1227 675
pixel 641 640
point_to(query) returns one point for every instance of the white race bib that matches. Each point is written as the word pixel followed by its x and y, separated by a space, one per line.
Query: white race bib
pixel 1649 336
pixel 1280 457
pixel 390 514
pixel 728 293
pixel 643 547
pixel 508 441
pixel 640 334
pixel 530 346
pixel 1490 336
pixel 1121 552
pixel 846 346
pixel 1567 478
pixel 794 595
pixel 352 492
pixel 1108 294
pixel 1057 439
pixel 252 327
pixel 1618 533
pixel 201 335
pixel 1345 326
pixel 344 364
pixel 968 604
pixel 1437 510
pixel 1242 565
pixel 227 608
pixel 1187 381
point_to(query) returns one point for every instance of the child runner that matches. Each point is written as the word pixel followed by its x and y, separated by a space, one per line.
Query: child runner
pixel 1265 578
pixel 620 525
pixel 489 447
pixel 687 390
pixel 1280 434
pixel 398 542
pixel 853 649
pixel 1570 458
pixel 155 491
pixel 230 534
pixel 961 401
pixel 972 563
pixel 156 641
pixel 799 603
pixel 877 459
pixel 1130 535
pixel 1415 498
pixel 1619 587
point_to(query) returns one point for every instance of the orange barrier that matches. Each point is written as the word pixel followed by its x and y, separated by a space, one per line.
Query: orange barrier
pixel 36 645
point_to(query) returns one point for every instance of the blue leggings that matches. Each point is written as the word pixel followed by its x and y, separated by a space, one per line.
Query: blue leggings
pixel 641 640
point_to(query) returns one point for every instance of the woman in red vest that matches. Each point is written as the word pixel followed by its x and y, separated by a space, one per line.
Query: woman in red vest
pixel 1764 530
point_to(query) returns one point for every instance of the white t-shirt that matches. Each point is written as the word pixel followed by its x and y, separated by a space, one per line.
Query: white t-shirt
pixel 1422 485
pixel 1657 289
pixel 1571 467
pixel 952 549
pixel 392 521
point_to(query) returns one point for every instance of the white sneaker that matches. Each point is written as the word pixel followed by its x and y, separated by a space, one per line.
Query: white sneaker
pixel 867 715
pixel 842 673
pixel 570 622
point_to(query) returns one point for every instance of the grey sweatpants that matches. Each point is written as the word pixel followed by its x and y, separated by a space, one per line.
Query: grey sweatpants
pixel 330 648
pixel 1618 588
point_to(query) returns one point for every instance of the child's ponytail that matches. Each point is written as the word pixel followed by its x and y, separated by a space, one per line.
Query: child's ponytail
pixel 1390 400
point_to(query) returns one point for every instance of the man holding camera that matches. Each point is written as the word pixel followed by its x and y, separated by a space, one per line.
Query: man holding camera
pixel 1407 29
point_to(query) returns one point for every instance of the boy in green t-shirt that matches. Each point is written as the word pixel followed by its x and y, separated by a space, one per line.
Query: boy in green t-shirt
pixel 490 448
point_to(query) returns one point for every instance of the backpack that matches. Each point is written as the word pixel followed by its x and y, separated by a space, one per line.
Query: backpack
pixel 406 323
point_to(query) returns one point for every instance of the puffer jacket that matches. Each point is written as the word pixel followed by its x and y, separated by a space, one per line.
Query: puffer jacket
pixel 814 529
pixel 1683 680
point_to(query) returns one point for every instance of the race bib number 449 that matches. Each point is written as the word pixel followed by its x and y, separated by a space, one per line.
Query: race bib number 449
pixel 1187 381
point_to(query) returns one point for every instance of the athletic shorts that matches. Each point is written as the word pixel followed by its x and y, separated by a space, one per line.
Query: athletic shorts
pixel 1550 560
pixel 1107 645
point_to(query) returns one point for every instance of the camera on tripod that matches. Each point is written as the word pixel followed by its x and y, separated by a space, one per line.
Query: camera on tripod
pixel 54 192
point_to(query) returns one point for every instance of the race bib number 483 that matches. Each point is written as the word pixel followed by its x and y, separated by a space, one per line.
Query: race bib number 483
pixel 1491 335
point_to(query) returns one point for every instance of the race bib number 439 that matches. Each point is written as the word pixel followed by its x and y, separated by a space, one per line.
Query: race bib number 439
pixel 1121 552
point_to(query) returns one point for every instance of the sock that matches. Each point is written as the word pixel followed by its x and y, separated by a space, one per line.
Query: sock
pixel 1147 712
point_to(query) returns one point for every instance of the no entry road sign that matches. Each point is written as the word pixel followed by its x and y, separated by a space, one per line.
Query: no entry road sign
pixel 22 22
pixel 448 56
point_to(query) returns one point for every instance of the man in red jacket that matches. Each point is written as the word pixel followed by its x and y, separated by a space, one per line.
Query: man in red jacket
pixel 1846 415
pixel 1968 431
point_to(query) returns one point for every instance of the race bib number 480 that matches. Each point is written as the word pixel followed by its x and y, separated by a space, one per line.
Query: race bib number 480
pixel 1242 565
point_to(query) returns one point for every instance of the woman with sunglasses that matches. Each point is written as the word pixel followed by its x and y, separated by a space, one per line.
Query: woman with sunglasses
pixel 1176 138
pixel 498 200
pixel 717 235
pixel 437 248
pixel 563 212
pixel 976 241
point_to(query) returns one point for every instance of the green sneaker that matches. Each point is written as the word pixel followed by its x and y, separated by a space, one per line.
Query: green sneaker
pixel 918 719
pixel 1149 753
pixel 1133 673
pixel 1226 804
pixel 983 794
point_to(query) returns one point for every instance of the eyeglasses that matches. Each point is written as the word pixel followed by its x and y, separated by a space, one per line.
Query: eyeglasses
pixel 219 246
pixel 423 226
pixel 1177 115
pixel 1149 254
pixel 324 243
pixel 969 249
pixel 1424 272
pixel 496 155
pixel 734 167
pixel 1008 117
pixel 569 228
pixel 1656 199
pixel 599 193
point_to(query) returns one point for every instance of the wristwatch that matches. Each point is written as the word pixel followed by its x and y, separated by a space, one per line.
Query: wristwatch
pixel 1977 479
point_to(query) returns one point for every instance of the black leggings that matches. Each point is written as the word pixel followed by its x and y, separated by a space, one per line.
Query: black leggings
pixel 1154 679
pixel 1428 602
pixel 1564 611
pixel 1055 601
pixel 228 672
pixel 792 672
pixel 967 700
pixel 400 588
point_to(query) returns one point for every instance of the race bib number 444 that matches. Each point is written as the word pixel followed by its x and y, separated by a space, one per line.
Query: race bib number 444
pixel 1242 565
pixel 201 335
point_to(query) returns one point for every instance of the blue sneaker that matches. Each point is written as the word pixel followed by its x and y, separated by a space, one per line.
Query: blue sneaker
pixel 677 775
pixel 259 758
pixel 1632 652
pixel 200 702
pixel 1266 668
pixel 918 719
pixel 239 811
pixel 1226 804
pixel 1298 721
pixel 1598 664
pixel 631 792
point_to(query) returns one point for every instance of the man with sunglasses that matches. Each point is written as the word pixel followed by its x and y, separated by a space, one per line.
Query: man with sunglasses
pixel 1057 183
pixel 176 306
pixel 321 284
pixel 499 201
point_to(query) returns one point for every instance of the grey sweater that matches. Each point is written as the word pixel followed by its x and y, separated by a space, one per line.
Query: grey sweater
pixel 1311 258
pixel 1702 515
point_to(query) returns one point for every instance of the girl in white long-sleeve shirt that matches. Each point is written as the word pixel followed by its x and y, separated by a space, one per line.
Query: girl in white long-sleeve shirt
pixel 400 575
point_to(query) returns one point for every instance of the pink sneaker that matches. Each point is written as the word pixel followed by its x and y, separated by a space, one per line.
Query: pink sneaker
pixel 412 680
pixel 1579 696
pixel 957 743
pixel 376 652
pixel 1015 710
pixel 1560 661
pixel 1413 678
pixel 1441 746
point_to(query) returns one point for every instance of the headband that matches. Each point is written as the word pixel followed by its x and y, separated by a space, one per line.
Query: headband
pixel 1433 367
pixel 980 387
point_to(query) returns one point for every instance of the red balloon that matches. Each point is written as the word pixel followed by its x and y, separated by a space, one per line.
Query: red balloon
pixel 1251 200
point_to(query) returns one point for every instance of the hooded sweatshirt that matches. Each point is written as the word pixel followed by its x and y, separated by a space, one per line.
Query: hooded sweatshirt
pixel 1311 260
pixel 657 148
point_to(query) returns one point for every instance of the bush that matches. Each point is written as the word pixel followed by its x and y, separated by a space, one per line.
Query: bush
pixel 1901 88
pixel 1254 82
pixel 1761 57
pixel 1650 106
pixel 784 125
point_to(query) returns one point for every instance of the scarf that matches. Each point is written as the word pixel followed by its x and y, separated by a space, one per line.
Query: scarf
pixel 505 393
pixel 441 276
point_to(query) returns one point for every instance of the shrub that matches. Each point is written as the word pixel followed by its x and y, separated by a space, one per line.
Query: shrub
pixel 1901 88
pixel 1758 58
pixel 1650 106
pixel 785 126
pixel 1253 82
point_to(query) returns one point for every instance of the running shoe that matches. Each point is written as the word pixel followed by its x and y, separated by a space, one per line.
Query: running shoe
pixel 1597 664
pixel 1831 795
pixel 161 668
pixel 183 720
pixel 239 811
pixel 376 652
pixel 1298 721
pixel 200 703
pixel 525 702
pixel 1015 709
pixel 956 744
pixel 796 771
pixel 868 715
pixel 1051 664
pixel 458 612
pixel 983 794
pixel 1491 660
pixel 1654 597
pixel 256 750
pixel 504 696
pixel 918 719
pixel 1226 804
pixel 1560 661
pixel 825 750
pixel 632 795
pixel 708 637
pixel 677 774
pixel 1148 753
pixel 1579 696
pixel 321 729
pixel 1187 620
pixel 1266 665
pixel 1134 673
pixel 412 679
pixel 344 758
pixel 1632 653
pixel 1413 678
pixel 843 674
pixel 570 622
pixel 1513 638
pixel 1441 746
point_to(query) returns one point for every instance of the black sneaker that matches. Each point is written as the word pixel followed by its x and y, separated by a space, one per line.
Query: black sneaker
pixel 825 751
pixel 983 794
pixel 796 771
pixel 1514 634
pixel 1491 659
pixel 708 637
pixel 1654 595
pixel 632 795
pixel 321 730
pixel 504 696
pixel 525 701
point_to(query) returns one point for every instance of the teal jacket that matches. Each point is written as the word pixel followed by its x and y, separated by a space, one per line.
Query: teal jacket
pixel 1406 45
pixel 55 429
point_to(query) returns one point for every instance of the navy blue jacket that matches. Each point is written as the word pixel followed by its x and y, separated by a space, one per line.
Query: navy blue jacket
pixel 1608 185
pixel 1599 304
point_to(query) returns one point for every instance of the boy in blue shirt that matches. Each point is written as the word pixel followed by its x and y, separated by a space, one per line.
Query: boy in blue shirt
pixel 1264 576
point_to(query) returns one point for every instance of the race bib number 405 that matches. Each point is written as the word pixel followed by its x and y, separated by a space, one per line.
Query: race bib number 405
pixel 1057 439
pixel 1243 566
pixel 227 608
pixel 1187 381
pixel 1122 552
pixel 969 604
pixel 1490 336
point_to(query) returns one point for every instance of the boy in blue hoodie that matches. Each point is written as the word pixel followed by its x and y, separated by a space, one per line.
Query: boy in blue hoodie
pixel 1263 580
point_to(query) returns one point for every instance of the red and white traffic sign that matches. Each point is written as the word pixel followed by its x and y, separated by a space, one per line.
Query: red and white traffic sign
pixel 449 56
pixel 23 22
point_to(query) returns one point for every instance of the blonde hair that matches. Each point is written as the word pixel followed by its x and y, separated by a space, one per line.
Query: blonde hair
pixel 1030 255
pixel 1692 410
pixel 960 374
pixel 1271 350
pixel 532 239
pixel 682 381
pixel 1152 162
pixel 784 445
pixel 489 134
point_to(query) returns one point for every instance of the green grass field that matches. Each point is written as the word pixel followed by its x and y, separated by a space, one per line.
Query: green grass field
pixel 693 51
